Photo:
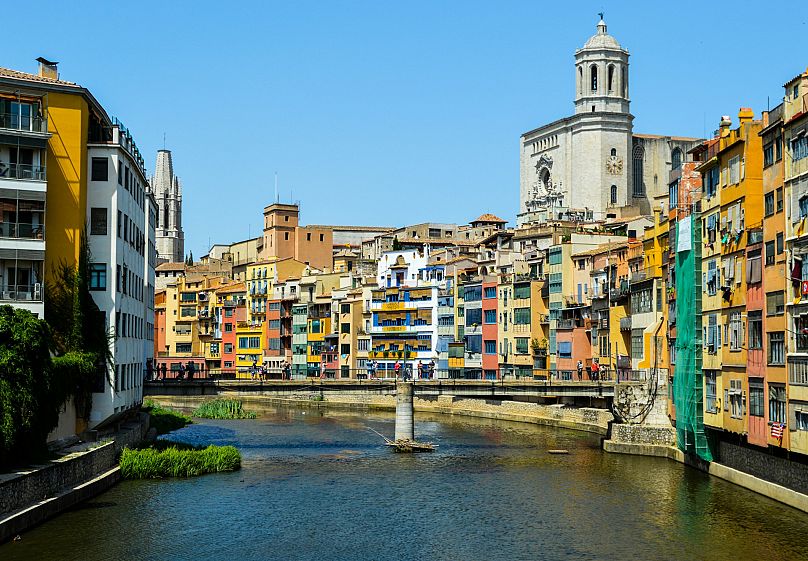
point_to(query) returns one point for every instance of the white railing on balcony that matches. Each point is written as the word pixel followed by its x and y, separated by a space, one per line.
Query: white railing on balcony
pixel 22 292
pixel 28 172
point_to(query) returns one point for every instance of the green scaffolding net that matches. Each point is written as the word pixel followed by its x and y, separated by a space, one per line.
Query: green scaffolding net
pixel 687 375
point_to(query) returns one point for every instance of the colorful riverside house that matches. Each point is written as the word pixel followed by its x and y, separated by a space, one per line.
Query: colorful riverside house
pixel 231 300
pixel 775 275
pixel 707 164
pixel 654 359
pixel 181 344
pixel 490 361
pixel 524 326
pixel 795 179
pixel 740 159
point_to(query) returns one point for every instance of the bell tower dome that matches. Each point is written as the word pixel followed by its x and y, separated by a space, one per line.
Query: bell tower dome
pixel 601 75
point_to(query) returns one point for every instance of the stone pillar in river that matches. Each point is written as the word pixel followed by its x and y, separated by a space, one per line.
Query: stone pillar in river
pixel 404 411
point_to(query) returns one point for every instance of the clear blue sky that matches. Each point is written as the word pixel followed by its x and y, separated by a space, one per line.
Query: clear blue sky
pixel 387 113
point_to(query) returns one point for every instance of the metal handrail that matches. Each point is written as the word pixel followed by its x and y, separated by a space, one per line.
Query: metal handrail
pixel 22 171
pixel 19 122
pixel 22 230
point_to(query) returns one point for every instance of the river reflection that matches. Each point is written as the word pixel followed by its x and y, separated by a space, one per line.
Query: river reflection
pixel 320 486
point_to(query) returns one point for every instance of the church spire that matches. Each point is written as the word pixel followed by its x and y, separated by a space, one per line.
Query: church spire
pixel 601 25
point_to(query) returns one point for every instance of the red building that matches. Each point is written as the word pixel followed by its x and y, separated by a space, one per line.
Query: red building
pixel 489 305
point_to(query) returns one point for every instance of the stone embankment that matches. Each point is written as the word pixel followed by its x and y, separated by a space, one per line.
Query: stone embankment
pixel 583 419
pixel 31 496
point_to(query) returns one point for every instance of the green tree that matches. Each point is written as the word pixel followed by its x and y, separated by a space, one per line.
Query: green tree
pixel 31 395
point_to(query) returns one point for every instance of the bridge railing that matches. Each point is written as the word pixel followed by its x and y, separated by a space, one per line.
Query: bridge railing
pixel 408 372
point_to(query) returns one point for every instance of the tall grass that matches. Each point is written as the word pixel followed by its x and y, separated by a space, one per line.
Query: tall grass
pixel 165 420
pixel 177 460
pixel 223 409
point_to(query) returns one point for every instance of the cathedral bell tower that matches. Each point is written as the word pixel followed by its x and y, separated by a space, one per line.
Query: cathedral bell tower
pixel 601 75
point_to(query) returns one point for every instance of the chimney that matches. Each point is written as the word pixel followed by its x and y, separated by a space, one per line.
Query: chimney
pixel 745 114
pixel 47 69
pixel 723 126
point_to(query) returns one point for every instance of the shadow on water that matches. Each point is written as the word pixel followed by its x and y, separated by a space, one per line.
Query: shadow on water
pixel 319 485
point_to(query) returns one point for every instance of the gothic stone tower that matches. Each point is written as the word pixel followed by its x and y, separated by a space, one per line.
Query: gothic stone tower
pixel 168 192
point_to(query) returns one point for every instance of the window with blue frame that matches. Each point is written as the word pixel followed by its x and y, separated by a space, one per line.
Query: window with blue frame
pixel 490 316
pixel 564 349
pixel 474 316
pixel 473 293
pixel 556 283
pixel 490 347
pixel 799 148
pixel 803 206
pixel 554 257
pixel 490 291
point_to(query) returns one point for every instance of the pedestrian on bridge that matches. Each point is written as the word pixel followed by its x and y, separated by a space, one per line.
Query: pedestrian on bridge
pixel 580 370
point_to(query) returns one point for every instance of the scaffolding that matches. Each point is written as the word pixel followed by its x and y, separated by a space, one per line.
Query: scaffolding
pixel 688 376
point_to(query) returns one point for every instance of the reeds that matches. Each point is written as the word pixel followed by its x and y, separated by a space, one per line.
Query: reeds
pixel 223 409
pixel 165 420
pixel 177 460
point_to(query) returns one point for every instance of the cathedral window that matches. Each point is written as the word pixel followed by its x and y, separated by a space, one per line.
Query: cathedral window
pixel 593 73
pixel 676 159
pixel 613 152
pixel 637 169
pixel 613 198
pixel 623 84
pixel 580 80
pixel 611 78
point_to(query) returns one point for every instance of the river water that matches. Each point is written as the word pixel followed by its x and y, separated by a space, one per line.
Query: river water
pixel 318 485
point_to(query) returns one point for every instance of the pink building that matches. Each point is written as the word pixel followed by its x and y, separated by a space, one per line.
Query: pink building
pixel 490 343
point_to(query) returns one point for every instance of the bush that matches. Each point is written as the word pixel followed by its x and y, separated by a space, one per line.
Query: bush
pixel 177 460
pixel 165 420
pixel 31 394
pixel 223 409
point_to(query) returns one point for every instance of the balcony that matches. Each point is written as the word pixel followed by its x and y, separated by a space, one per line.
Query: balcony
pixel 639 276
pixel 566 324
pixel 446 330
pixel 22 293
pixel 229 303
pixel 21 230
pixel 27 172
pixel 20 121
pixel 625 324
pixel 379 329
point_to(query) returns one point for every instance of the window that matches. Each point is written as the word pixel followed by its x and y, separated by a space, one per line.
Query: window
pixel 676 159
pixel 474 316
pixel 521 316
pixel 755 399
pixel 736 399
pixel 593 76
pixel 637 344
pixel 641 301
pixel 521 345
pixel 777 403
pixel 490 292
pixel 613 194
pixel 99 170
pixel 363 345
pixel 712 277
pixel 322 237
pixel 799 148
pixel 610 82
pixel 308 236
pixel 770 253
pixel 710 397
pixel 98 276
pixel 564 349
pixel 345 328
pixel 274 324
pixel 490 316
pixel 801 419
pixel 768 154
pixel 228 348
pixel 734 170
pixel 753 269
pixel 228 312
pixel 779 196
pixel 775 303
pixel 275 344
pixel 756 330
pixel 796 91
pixel 98 221
pixel 556 283
pixel 472 293
pixel 637 169
pixel 777 347
pixel 554 256
pixel 345 349
pixel 345 308
pixel 803 204
pixel 521 292
pixel 490 347
pixel 768 204
pixel 249 342
pixel 286 236
pixel 183 347
pixel 228 327
pixel 779 243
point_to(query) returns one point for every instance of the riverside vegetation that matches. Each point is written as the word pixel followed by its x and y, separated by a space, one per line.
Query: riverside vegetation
pixel 162 458
pixel 223 409
pixel 175 459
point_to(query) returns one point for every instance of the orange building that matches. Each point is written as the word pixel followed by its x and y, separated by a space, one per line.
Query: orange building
pixel 284 237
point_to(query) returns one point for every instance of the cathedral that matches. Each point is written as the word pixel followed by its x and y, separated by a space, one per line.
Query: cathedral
pixel 167 190
pixel 591 166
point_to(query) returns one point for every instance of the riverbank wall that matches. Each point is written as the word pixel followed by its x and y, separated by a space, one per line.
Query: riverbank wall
pixel 640 440
pixel 29 497
pixel 576 418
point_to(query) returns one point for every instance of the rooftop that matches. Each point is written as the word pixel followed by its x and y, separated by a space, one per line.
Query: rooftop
pixel 490 218
pixel 17 75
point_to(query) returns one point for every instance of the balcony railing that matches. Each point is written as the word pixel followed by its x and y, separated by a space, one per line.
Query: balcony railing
pixel 566 324
pixel 22 230
pixel 18 122
pixel 22 292
pixel 22 171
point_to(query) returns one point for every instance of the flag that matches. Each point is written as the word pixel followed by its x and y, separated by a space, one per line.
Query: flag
pixel 777 430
